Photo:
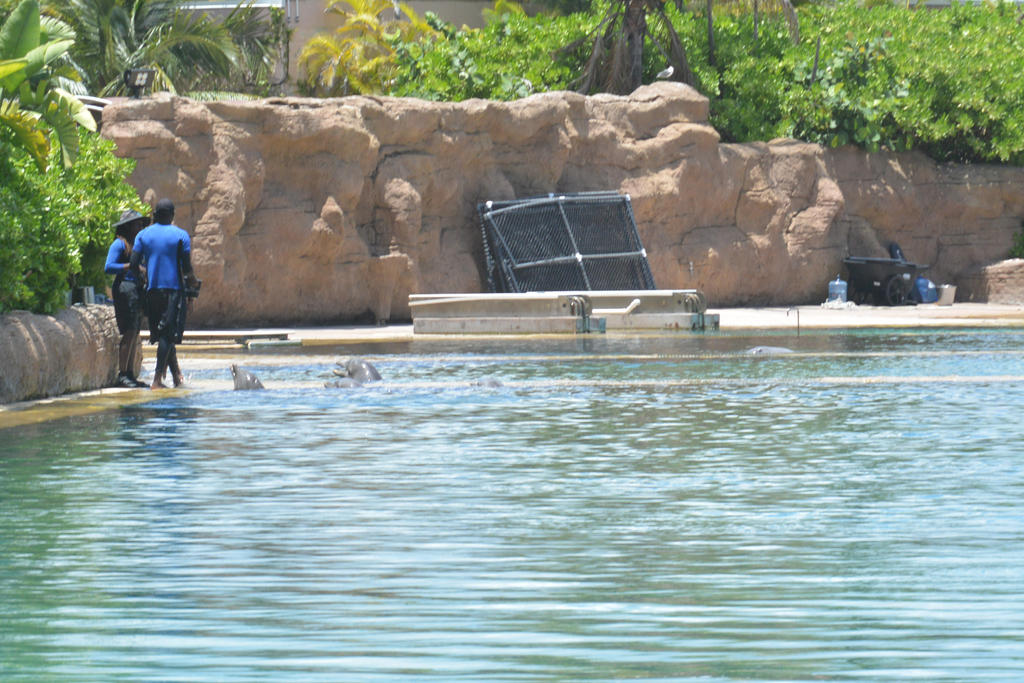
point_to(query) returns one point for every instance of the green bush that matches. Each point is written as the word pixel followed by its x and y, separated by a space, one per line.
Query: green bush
pixel 512 57
pixel 747 86
pixel 1017 250
pixel 948 82
pixel 55 227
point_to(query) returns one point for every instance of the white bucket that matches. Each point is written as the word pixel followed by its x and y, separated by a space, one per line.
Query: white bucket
pixel 946 295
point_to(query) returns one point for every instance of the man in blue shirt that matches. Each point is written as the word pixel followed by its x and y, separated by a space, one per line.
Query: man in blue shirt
pixel 166 251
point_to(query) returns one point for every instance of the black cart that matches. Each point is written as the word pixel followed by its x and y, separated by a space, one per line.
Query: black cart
pixel 882 280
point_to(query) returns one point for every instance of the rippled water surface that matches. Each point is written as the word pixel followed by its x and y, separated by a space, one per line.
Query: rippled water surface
pixel 618 508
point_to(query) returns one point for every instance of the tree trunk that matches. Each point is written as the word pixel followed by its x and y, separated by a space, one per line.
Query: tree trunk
pixel 711 36
pixel 634 25
pixel 755 19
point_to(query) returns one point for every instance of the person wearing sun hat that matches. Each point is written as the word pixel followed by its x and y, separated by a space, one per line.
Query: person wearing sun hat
pixel 127 290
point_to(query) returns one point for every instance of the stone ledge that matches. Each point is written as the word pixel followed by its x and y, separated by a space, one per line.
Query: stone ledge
pixel 45 355
pixel 999 283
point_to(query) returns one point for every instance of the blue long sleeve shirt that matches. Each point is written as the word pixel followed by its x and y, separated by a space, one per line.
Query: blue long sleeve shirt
pixel 117 260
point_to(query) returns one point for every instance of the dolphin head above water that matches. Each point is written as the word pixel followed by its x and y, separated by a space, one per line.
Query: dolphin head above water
pixel 244 379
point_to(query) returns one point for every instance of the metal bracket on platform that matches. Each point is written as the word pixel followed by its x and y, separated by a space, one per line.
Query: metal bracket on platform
pixel 581 307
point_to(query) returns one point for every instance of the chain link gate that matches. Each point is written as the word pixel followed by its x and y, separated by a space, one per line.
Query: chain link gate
pixel 568 242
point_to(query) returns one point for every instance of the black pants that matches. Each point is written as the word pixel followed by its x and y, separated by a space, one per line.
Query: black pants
pixel 166 310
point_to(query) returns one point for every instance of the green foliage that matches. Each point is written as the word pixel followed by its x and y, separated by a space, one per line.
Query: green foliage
pixel 511 57
pixel 188 50
pixel 847 95
pixel 30 100
pixel 1017 250
pixel 55 226
pixel 747 86
pixel 948 82
pixel 566 6
pixel 23 129
pixel 184 48
pixel 359 56
pixel 55 218
pixel 262 38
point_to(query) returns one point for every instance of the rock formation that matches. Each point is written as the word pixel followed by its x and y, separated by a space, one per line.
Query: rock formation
pixel 43 355
pixel 999 283
pixel 316 211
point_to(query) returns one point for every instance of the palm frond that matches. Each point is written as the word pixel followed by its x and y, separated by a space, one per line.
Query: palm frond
pixel 62 112
pixel 359 55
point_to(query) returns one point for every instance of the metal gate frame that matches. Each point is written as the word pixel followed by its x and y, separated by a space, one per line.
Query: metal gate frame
pixel 505 269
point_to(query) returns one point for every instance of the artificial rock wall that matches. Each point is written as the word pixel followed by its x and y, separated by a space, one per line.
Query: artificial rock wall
pixel 318 211
pixel 45 355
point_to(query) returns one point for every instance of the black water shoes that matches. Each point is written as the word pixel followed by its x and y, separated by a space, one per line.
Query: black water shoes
pixel 127 380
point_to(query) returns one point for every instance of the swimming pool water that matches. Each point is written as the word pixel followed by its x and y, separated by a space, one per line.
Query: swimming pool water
pixel 656 508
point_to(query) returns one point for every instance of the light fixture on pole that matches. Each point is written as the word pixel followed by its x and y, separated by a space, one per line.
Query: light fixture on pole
pixel 138 80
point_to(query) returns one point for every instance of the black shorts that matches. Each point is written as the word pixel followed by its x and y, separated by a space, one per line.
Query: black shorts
pixel 127 306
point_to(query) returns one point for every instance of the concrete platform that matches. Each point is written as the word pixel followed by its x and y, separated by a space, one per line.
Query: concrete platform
pixel 730 320
pixel 921 315
pixel 549 312
pixel 512 324
pixel 242 337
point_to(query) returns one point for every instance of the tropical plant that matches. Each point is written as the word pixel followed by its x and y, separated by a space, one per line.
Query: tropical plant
pixel 511 57
pixel 616 62
pixel 262 38
pixel 182 47
pixel 501 10
pixel 55 225
pixel 359 56
pixel 1017 250
pixel 21 125
pixel 947 82
pixel 566 7
pixel 31 104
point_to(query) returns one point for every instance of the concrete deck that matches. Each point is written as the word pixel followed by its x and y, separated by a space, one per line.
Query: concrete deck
pixel 739 319
pixel 567 312
pixel 733 320
pixel 921 315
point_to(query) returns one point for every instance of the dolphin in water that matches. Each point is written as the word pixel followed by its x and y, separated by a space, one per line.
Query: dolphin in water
pixel 245 379
pixel 768 350
pixel 360 370
pixel 343 383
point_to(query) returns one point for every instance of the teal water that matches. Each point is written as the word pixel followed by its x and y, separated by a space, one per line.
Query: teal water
pixel 619 508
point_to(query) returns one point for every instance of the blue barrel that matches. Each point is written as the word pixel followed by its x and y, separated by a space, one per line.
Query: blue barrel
pixel 837 290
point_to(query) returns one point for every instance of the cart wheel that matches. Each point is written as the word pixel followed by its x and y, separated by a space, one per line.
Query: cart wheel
pixel 894 294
